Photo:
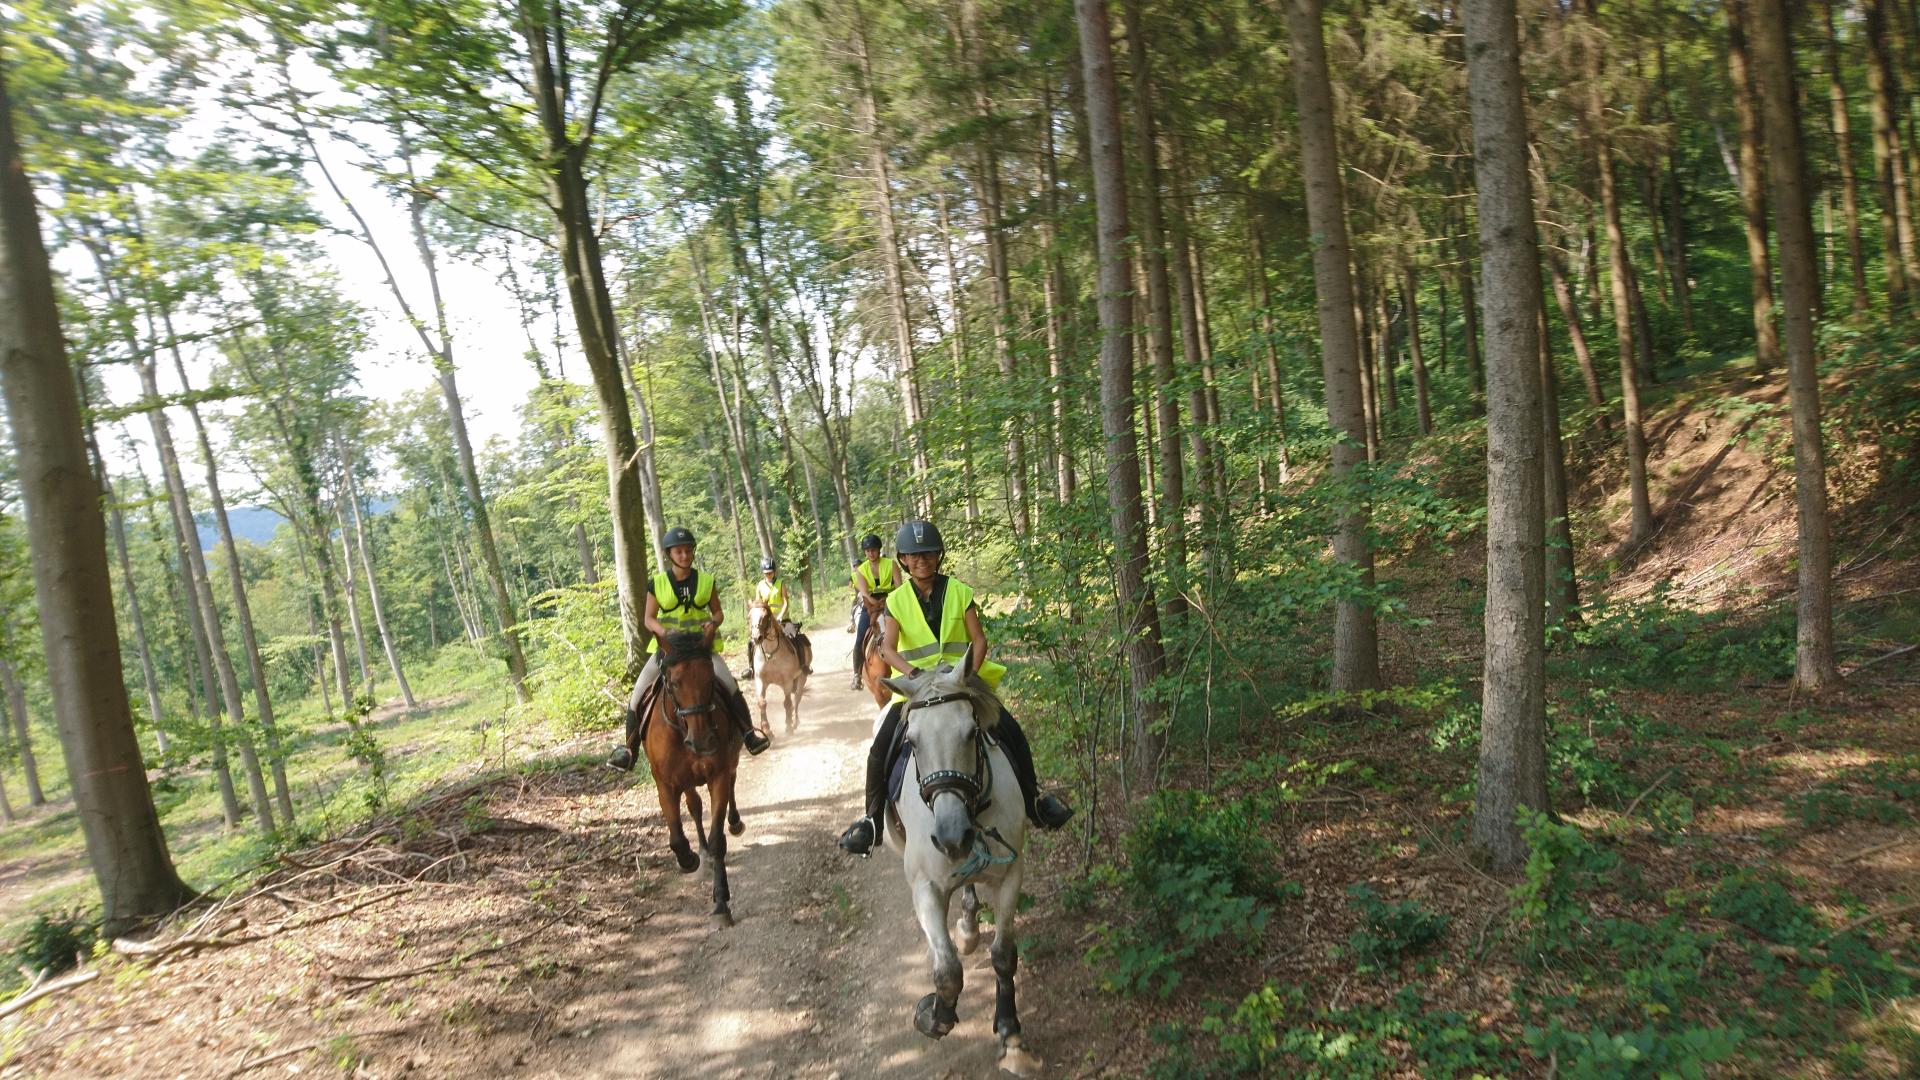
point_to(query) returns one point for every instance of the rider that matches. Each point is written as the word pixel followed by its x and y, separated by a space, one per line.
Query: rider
pixel 873 578
pixel 771 591
pixel 684 600
pixel 909 641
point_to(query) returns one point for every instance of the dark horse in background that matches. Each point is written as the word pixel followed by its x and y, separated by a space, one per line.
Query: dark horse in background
pixel 691 741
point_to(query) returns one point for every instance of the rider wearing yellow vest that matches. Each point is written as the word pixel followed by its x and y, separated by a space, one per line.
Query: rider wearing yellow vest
pixel 936 621
pixel 874 579
pixel 770 591
pixel 683 600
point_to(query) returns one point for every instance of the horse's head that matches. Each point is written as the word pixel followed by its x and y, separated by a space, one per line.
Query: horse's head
pixel 691 701
pixel 759 620
pixel 949 709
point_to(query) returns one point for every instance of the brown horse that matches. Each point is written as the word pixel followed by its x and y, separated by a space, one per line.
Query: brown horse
pixel 691 740
pixel 871 665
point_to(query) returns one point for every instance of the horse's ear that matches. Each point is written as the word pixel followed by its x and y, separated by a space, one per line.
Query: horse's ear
pixel 902 684
pixel 966 665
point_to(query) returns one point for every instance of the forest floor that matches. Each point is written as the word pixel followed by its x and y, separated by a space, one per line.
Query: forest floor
pixel 534 924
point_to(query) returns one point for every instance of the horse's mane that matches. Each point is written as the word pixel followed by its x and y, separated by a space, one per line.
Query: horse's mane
pixel 986 704
pixel 684 645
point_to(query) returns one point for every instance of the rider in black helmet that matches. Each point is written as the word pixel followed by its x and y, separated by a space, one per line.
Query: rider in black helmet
pixel 936 621
pixel 683 599
pixel 873 578
pixel 771 591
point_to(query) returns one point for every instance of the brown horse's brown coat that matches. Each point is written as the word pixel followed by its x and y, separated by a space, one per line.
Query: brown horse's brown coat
pixel 687 678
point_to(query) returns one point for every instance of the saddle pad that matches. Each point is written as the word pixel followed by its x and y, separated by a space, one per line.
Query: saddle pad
pixel 897 776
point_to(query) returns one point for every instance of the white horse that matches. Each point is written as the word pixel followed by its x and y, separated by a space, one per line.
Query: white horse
pixel 961 823
pixel 779 664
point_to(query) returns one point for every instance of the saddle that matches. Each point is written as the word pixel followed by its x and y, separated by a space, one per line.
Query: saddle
pixel 638 719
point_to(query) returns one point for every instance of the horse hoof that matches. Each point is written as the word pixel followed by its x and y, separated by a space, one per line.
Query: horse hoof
pixel 933 1017
pixel 722 918
pixel 689 861
pixel 736 827
pixel 1015 1059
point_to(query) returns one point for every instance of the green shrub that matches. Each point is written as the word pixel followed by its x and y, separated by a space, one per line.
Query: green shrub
pixel 581 657
pixel 1681 1054
pixel 54 941
pixel 1390 931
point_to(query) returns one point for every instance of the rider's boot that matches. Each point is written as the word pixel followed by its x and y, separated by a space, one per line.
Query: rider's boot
pixel 743 718
pixel 623 756
pixel 864 835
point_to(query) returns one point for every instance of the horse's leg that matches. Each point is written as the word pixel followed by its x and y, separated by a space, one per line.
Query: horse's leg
pixel 936 1015
pixel 1006 961
pixel 676 835
pixel 967 926
pixel 694 811
pixel 721 788
pixel 734 824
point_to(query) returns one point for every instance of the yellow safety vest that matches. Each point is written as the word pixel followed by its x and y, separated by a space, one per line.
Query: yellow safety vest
pixel 773 594
pixel 885 582
pixel 672 614
pixel 921 647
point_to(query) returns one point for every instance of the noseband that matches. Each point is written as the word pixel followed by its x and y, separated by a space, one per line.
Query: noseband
pixel 976 788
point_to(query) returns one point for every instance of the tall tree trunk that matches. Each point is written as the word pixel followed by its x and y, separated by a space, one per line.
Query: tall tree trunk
pixel 22 730
pixel 1263 294
pixel 1563 587
pixel 1139 618
pixel 1513 713
pixel 1622 270
pixel 353 593
pixel 237 586
pixel 1356 660
pixel 1576 335
pixel 1057 299
pixel 1193 354
pixel 1842 119
pixel 1814 667
pixel 1171 488
pixel 1410 299
pixel 655 512
pixel 1470 326
pixel 1753 187
pixel 1674 202
pixel 149 677
pixel 124 844
pixel 1896 212
pixel 892 264
pixel 387 643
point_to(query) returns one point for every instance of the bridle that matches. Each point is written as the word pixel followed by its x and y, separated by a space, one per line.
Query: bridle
pixel 677 715
pixel 770 636
pixel 975 788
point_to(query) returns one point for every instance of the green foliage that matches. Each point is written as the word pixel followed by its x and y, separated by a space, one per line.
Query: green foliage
pixel 581 653
pixel 1389 932
pixel 1891 788
pixel 1274 1032
pixel 54 941
pixel 1561 864
pixel 1649 1052
pixel 1658 643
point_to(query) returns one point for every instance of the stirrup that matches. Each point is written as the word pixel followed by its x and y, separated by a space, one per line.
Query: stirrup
pixel 756 743
pixel 860 838
pixel 622 759
pixel 1050 813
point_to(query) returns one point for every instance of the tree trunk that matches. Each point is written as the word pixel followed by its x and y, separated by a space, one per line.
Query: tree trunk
pixel 353 594
pixel 22 731
pixel 1753 188
pixel 1057 298
pixel 140 644
pixel 1171 488
pixel 1842 120
pixel 656 514
pixel 1576 335
pixel 387 643
pixel 237 585
pixel 1263 293
pixel 1896 214
pixel 1356 662
pixel 73 597
pixel 1513 715
pixel 1139 619
pixel 1470 326
pixel 1814 667
pixel 1563 586
pixel 1193 353
pixel 1594 106
pixel 1410 299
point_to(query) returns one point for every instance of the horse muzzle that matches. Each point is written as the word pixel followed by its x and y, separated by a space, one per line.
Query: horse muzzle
pixel 953 829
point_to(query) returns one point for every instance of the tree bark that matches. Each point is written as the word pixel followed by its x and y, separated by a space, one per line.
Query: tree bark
pixel 22 731
pixel 1753 187
pixel 1814 668
pixel 1139 618
pixel 1057 297
pixel 1896 212
pixel 124 843
pixel 117 520
pixel 1513 716
pixel 1843 156
pixel 1563 586
pixel 353 593
pixel 387 642
pixel 1356 661
pixel 1263 294
pixel 1410 299
pixel 1576 335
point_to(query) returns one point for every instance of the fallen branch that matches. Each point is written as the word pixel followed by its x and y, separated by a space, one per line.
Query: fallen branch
pixel 1873 916
pixel 1895 654
pixel 60 985
pixel 1878 848
pixel 294 1051
pixel 454 960
pixel 1818 957
pixel 1658 780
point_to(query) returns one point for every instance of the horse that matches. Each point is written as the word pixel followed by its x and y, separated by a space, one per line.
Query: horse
pixel 960 825
pixel 873 667
pixel 691 740
pixel 779 663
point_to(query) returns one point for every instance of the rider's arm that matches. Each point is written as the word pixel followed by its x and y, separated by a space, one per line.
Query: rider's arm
pixel 650 616
pixel 890 647
pixel 977 635
pixel 719 616
pixel 860 585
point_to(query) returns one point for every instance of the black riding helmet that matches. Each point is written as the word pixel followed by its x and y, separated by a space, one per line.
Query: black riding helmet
pixel 871 543
pixel 919 537
pixel 766 563
pixel 677 536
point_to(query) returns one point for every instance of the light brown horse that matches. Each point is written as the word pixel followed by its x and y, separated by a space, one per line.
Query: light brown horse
pixel 872 666
pixel 692 741
pixel 780 664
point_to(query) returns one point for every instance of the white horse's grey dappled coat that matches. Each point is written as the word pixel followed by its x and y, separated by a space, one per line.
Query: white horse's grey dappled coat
pixel 946 845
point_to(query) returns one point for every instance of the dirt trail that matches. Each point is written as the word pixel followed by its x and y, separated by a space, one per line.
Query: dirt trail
pixel 819 976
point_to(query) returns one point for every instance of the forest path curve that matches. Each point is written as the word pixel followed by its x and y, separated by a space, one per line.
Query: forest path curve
pixel 819 976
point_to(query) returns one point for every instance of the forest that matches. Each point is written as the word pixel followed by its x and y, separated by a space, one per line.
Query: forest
pixel 1442 480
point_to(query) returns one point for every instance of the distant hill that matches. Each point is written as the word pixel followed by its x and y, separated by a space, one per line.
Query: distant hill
pixel 257 524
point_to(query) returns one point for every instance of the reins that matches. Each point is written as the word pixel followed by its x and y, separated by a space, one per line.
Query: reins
pixel 676 717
